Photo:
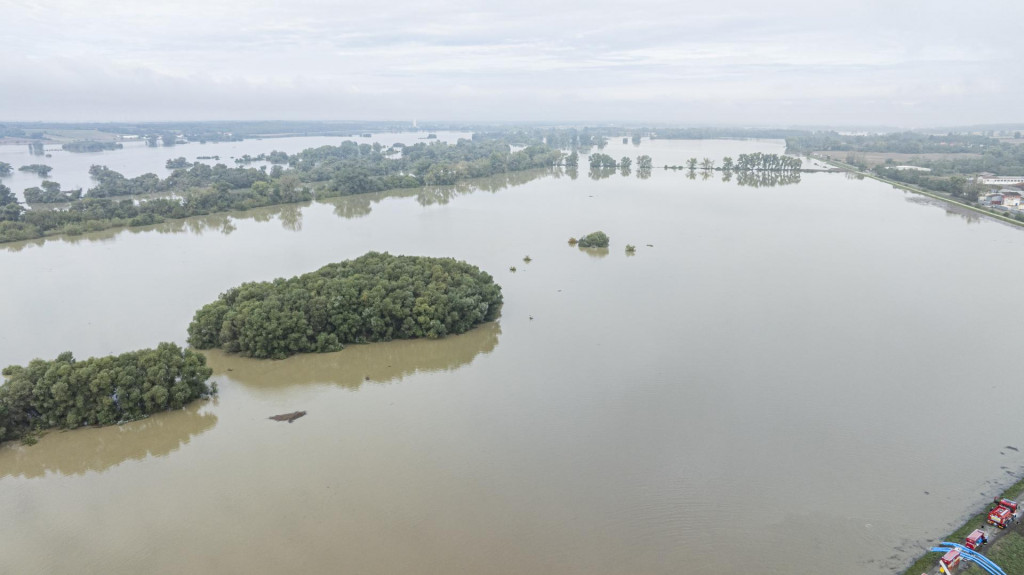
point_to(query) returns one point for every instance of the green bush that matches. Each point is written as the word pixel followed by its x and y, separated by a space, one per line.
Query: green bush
pixel 597 239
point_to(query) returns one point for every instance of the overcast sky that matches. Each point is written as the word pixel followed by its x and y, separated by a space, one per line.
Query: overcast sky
pixel 911 64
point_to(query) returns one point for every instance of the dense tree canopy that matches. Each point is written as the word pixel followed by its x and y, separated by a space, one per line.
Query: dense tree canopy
pixel 99 391
pixel 596 239
pixel 376 297
pixel 5 169
pixel 50 193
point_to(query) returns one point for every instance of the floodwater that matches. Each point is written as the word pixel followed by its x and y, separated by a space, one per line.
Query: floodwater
pixel 71 169
pixel 793 379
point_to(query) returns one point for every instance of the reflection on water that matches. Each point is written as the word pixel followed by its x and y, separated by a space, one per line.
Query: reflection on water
pixel 78 451
pixel 951 210
pixel 358 364
pixel 767 179
pixel 595 252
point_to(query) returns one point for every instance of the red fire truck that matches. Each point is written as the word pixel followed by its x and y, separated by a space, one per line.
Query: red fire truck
pixel 976 539
pixel 951 560
pixel 1003 514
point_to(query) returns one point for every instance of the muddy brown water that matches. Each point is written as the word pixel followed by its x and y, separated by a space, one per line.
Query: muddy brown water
pixel 771 388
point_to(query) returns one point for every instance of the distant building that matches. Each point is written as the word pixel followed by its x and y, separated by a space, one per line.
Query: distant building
pixel 1010 198
pixel 993 200
pixel 913 168
pixel 1001 180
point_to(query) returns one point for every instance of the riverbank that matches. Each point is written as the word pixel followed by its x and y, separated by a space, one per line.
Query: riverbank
pixel 1007 549
pixel 917 190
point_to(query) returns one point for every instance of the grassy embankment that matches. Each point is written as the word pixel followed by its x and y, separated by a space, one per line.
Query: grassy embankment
pixel 1007 552
pixel 934 195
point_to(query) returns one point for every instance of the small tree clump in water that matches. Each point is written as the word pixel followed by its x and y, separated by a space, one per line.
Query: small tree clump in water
pixel 596 239
pixel 573 241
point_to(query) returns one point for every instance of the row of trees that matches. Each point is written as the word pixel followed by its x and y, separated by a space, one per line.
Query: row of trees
pixel 376 297
pixel 90 146
pixel 274 157
pixel 757 161
pixel 329 170
pixel 949 154
pixel 957 186
pixel 599 161
pixel 768 163
pixel 66 393
pixel 900 142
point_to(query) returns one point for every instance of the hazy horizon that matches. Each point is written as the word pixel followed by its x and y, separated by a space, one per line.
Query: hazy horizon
pixel 792 63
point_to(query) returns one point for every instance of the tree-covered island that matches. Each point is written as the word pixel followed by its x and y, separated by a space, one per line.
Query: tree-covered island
pixel 376 297
pixel 41 170
pixel 66 393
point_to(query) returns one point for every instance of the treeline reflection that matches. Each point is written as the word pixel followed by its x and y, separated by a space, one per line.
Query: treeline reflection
pixel 359 364
pixel 290 215
pixel 98 449
pixel 361 205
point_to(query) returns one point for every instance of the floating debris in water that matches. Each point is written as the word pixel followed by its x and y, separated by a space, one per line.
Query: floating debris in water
pixel 289 417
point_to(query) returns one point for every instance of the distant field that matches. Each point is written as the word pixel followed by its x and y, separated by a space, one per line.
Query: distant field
pixel 52 136
pixel 72 135
pixel 875 158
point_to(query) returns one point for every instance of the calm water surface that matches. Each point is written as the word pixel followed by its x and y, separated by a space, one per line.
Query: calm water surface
pixel 788 379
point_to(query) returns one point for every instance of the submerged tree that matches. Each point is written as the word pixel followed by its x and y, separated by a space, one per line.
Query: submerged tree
pixel 599 160
pixel 596 239
pixel 768 162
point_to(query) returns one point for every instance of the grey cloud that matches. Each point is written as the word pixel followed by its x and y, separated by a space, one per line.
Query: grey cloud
pixel 790 62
